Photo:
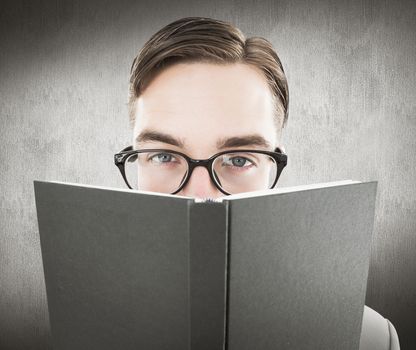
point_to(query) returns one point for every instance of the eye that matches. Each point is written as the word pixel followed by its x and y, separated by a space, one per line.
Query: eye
pixel 237 161
pixel 162 158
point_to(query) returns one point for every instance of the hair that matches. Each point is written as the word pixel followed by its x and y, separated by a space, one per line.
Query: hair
pixel 201 39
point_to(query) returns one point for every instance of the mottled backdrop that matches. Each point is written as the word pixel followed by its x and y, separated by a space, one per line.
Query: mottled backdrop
pixel 64 69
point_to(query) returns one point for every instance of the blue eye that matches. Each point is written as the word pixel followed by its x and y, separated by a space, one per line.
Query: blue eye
pixel 239 161
pixel 162 158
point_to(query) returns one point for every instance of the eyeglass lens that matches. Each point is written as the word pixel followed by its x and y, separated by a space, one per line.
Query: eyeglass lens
pixel 234 172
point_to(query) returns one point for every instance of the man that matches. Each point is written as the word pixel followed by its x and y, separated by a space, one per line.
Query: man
pixel 199 90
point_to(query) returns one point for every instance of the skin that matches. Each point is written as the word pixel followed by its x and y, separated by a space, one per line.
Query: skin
pixel 200 104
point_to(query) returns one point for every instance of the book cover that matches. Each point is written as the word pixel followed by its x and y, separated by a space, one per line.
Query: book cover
pixel 284 268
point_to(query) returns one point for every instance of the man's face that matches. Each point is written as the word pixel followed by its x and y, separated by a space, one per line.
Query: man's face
pixel 201 105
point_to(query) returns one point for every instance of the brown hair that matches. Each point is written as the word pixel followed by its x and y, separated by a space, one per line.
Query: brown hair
pixel 201 39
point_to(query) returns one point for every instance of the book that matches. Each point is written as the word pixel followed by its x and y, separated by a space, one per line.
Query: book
pixel 279 269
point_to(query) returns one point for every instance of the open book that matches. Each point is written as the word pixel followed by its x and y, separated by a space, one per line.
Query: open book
pixel 277 269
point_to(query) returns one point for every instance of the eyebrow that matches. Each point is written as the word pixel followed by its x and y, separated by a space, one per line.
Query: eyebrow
pixel 247 140
pixel 228 142
pixel 150 135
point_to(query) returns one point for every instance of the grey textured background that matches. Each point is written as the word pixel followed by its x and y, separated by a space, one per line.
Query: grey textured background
pixel 64 68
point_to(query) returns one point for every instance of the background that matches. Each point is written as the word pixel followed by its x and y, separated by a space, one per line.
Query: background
pixel 64 70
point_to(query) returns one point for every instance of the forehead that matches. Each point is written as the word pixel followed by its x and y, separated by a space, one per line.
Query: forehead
pixel 204 101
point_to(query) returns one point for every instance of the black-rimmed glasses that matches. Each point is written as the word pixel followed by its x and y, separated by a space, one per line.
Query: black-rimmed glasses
pixel 168 171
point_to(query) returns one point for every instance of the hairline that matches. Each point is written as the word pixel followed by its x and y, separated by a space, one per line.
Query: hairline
pixel 202 39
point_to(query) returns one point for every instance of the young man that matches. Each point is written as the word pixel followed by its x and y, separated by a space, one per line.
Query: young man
pixel 208 107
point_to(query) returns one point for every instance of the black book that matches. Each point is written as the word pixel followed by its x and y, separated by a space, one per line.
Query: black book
pixel 278 269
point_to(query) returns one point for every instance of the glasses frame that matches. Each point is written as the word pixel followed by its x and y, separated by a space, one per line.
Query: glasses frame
pixel 120 158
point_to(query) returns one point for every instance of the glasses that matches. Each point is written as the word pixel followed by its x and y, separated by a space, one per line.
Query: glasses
pixel 168 171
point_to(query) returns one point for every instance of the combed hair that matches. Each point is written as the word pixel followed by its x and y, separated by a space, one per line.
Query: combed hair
pixel 201 39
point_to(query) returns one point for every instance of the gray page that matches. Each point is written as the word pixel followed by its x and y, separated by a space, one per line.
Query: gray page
pixel 298 268
pixel 116 268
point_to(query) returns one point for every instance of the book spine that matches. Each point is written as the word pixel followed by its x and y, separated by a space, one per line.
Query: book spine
pixel 208 270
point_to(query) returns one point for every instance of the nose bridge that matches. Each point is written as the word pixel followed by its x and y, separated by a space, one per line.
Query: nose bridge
pixel 198 164
pixel 200 183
